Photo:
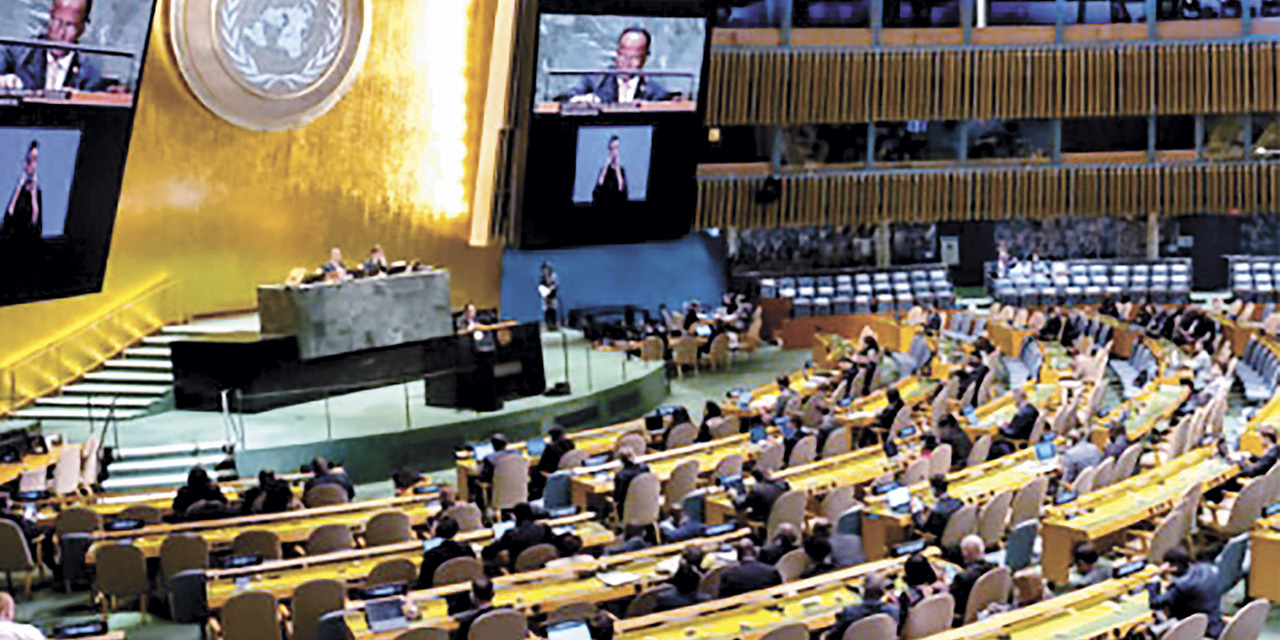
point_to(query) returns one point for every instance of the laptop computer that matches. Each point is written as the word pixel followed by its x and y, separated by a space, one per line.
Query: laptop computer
pixel 731 483
pixel 481 450
pixel 1065 497
pixel 535 446
pixel 758 433
pixel 882 489
pixel 906 432
pixel 1046 451
pixel 576 630
pixel 899 499
pixel 386 614
pixel 431 543
pixel 388 590
pixel 908 548
pixel 503 527
pixel 702 330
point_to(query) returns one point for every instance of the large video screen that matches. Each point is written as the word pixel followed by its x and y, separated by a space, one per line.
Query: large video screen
pixel 69 77
pixel 619 62
pixel 615 133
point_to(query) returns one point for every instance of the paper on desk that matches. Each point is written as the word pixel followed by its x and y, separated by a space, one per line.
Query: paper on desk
pixel 670 565
pixel 616 578
pixel 859 415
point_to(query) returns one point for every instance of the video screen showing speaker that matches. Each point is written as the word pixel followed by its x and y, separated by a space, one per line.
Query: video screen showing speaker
pixel 69 76
pixel 618 62
pixel 617 110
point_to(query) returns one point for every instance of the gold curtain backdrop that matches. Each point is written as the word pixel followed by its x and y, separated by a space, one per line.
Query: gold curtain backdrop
pixel 765 86
pixel 852 197
pixel 221 209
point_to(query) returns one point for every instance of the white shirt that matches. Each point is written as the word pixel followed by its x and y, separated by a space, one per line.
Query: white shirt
pixel 10 630
pixel 627 88
pixel 55 70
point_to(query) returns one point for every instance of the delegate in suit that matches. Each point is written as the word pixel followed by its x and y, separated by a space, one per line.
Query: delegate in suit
pixel 633 51
pixel 53 68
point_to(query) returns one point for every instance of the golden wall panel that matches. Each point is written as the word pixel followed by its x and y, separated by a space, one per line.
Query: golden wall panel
pixel 805 86
pixel 222 209
pixel 990 194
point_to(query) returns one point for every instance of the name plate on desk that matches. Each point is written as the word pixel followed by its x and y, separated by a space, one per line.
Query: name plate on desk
pixel 369 313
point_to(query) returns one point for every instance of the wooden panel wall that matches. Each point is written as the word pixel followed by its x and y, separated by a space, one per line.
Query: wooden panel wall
pixel 984 194
pixel 779 87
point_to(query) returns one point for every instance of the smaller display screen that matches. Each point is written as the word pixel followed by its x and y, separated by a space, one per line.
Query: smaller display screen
pixel 612 165
pixel 37 167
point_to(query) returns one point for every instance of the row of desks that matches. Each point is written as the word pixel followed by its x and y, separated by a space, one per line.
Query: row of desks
pixel 1100 516
pixel 1153 406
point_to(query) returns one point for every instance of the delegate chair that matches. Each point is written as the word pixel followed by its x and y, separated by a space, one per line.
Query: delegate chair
pixel 251 615
pixel 311 601
pixel 388 527
pixel 122 573
pixel 15 554
pixel 260 542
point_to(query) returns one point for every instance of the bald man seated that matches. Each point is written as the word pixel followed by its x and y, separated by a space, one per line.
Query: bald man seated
pixel 10 630
pixel 973 552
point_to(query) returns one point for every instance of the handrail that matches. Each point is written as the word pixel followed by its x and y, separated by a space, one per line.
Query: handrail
pixel 79 349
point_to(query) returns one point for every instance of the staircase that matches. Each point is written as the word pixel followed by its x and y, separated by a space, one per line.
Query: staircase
pixel 166 466
pixel 130 384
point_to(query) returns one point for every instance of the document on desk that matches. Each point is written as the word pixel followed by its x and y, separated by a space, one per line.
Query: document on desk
pixel 860 415
pixel 670 565
pixel 617 578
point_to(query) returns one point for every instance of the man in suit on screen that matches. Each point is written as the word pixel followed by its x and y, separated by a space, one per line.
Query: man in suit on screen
pixel 610 88
pixel 53 68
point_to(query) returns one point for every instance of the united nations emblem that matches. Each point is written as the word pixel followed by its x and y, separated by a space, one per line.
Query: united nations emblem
pixel 270 64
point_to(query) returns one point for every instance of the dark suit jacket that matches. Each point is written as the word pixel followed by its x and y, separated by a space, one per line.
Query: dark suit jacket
pixel 960 443
pixel 670 598
pixel 854 613
pixel 1019 428
pixel 963 583
pixel 748 576
pixel 431 560
pixel 19 227
pixel 936 521
pixel 1052 325
pixel 759 502
pixel 772 553
pixel 1262 464
pixel 605 87
pixel 622 482
pixel 549 461
pixel 1196 591
pixel 29 65
pixel 517 540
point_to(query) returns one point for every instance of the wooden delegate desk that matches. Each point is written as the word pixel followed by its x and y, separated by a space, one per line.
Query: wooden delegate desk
pixel 595 581
pixel 1264 567
pixel 1153 406
pixel 593 441
pixel 1103 610
pixel 997 413
pixel 591 485
pixel 1269 415
pixel 892 334
pixel 813 602
pixel 1099 517
pixel 281 577
pixel 1008 338
pixel 290 526
pixel 110 635
pixel 882 528
pixel 1238 332
pixel 11 471
pixel 108 505
pixel 816 478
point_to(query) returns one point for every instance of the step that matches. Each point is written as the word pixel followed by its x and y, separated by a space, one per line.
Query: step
pixel 114 375
pixel 149 481
pixel 207 460
pixel 73 413
pixel 169 450
pixel 135 402
pixel 138 363
pixel 163 339
pixel 149 352
pixel 108 389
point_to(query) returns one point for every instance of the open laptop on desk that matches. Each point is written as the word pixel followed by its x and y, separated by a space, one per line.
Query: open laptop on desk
pixel 576 630
pixel 384 615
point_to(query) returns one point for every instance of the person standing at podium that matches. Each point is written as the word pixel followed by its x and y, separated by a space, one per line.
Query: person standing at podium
pixel 333 269
pixel 549 291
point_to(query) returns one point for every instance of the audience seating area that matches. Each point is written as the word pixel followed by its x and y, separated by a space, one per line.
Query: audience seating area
pixel 1255 278
pixel 864 291
pixel 1259 371
pixel 1135 372
pixel 1088 281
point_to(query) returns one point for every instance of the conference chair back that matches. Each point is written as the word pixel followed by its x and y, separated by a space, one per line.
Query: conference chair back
pixel 718 353
pixel 633 442
pixel 836 502
pixel 681 435
pixel 722 428
pixel 574 458
pixel 963 522
pixel 311 601
pixel 1020 548
pixel 328 538
pixel 15 554
pixel 792 565
pixel 467 515
pixel 651 350
pixel 1189 628
pixel 425 633
pixel 122 573
pixel 729 466
pixel 261 542
pixel 393 571
pixel 710 583
pixel 930 616
pixel 66 473
pixel 1027 502
pixel 535 557
pixel 993 586
pixel 1084 481
pixel 918 471
pixel 1168 534
pixel 993 519
pixel 804 451
pixel 457 571
pixel 144 512
pixel 90 465
pixel 510 482
pixel 837 443
pixel 940 460
pixel 980 451
pixel 1248 622
pixel 180 552
pixel 388 527
pixel 878 627
pixel 788 508
pixel 645 602
pixel 791 631
pixel 643 502
pixel 251 615
pixel 682 481
pixel 499 624
pixel 770 455
pixel 324 495
pixel 1126 464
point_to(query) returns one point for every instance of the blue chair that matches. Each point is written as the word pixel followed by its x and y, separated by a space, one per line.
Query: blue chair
pixel 1020 547
pixel 1230 563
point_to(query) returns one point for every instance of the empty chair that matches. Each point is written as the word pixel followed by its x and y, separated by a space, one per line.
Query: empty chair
pixel 632 441
pixel 792 565
pixel 328 538
pixel 510 482
pixel 66 473
pixel 1027 502
pixel 993 586
pixel 499 624
pixel 388 527
pixel 1248 622
pixel 682 435
pixel 788 508
pixel 681 482
pixel 576 457
pixel 994 517
pixel 1230 562
pixel 1020 549
pixel 457 571
pixel 980 451
pixel 729 466
pixel 122 573
pixel 1084 482
pixel 311 601
pixel 790 631
pixel 962 523
pixel 878 627
pixel 392 571
pixel 645 602
pixel 15 554
pixel 251 615
pixel 324 495
pixel 770 456
pixel 838 501
pixel 804 451
pixel 467 515
pixel 1189 628
pixel 916 472
pixel 260 542
pixel 642 503
pixel 940 460
pixel 837 443
pixel 180 552
pixel 142 512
